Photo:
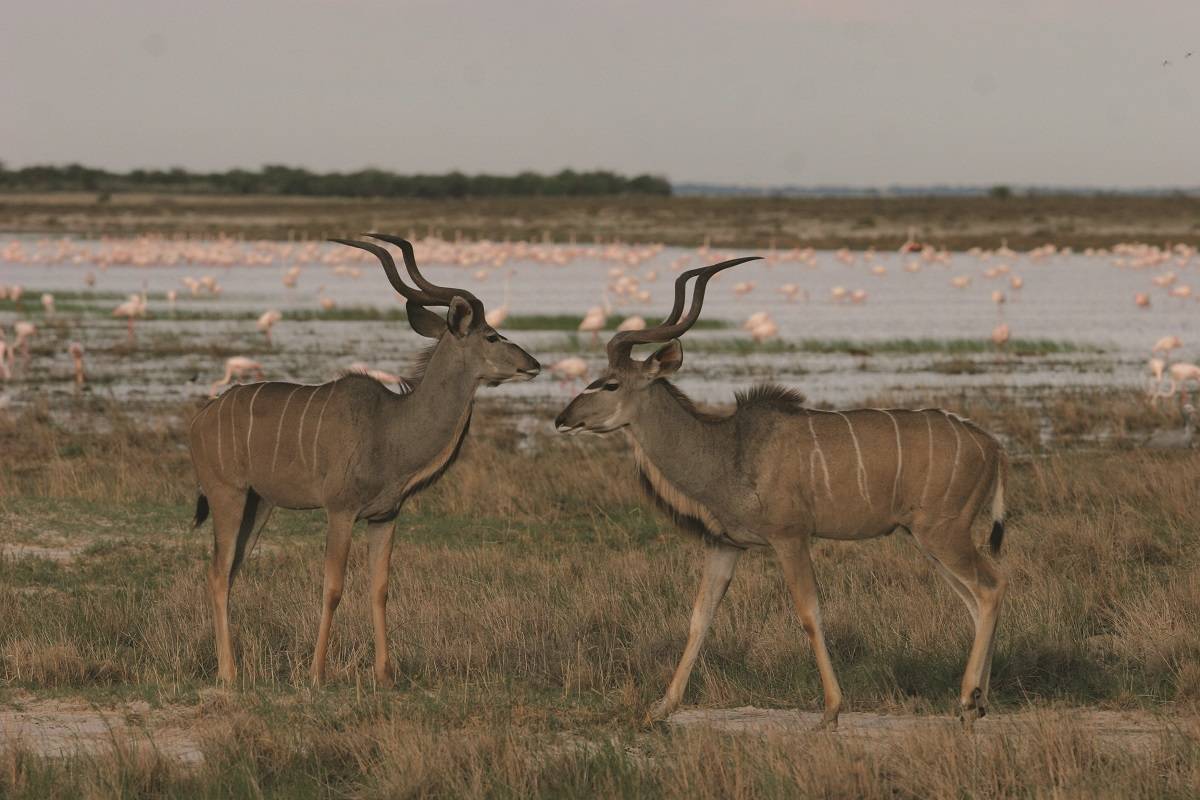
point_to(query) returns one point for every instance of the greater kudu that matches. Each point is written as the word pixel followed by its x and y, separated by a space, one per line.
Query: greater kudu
pixel 350 446
pixel 774 473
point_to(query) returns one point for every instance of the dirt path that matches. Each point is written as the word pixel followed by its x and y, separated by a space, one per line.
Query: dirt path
pixel 61 728
pixel 1123 730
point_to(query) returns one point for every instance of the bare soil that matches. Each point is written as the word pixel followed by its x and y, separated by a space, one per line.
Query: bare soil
pixel 73 726
pixel 1126 731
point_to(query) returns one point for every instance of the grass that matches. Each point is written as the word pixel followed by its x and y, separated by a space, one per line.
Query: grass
pixel 826 222
pixel 539 605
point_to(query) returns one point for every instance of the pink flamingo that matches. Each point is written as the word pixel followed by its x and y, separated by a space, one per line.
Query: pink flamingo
pixel 359 368
pixel 633 323
pixel 237 366
pixel 1166 344
pixel 569 369
pixel 1001 334
pixel 131 310
pixel 266 322
pixel 75 349
pixel 25 331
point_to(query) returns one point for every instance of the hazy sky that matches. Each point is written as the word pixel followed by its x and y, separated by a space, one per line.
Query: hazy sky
pixel 865 92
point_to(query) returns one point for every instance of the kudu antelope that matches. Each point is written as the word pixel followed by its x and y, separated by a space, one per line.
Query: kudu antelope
pixel 776 474
pixel 350 446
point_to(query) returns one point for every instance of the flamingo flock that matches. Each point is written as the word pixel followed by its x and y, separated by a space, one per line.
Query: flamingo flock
pixel 632 274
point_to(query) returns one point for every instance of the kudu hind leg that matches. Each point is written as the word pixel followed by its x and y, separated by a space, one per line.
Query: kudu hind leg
pixel 380 536
pixel 337 550
pixel 796 563
pixel 227 507
pixel 954 550
pixel 255 515
pixel 719 563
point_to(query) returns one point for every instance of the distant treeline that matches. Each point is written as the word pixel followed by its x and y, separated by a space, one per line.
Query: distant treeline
pixel 283 180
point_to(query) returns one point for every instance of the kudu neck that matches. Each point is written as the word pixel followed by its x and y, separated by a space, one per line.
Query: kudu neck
pixel 444 393
pixel 683 445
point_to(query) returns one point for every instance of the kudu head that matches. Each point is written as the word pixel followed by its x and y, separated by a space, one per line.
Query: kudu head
pixel 488 355
pixel 612 401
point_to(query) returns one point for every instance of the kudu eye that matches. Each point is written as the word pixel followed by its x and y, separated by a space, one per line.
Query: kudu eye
pixel 492 337
pixel 611 386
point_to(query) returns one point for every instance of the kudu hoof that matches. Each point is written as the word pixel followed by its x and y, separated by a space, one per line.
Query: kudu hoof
pixel 657 714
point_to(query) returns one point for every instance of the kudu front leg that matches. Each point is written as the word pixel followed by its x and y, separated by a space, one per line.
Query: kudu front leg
pixel 719 563
pixel 796 562
pixel 380 536
pixel 337 550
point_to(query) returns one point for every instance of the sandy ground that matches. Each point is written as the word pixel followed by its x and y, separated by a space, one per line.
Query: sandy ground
pixel 66 727
pixel 1120 730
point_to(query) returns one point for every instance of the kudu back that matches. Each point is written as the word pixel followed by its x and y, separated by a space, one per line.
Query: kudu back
pixel 773 473
pixel 350 446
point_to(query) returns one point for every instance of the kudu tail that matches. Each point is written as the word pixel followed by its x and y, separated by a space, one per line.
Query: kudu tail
pixel 997 537
pixel 201 510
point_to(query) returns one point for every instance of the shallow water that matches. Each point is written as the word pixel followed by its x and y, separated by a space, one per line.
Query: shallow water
pixel 1084 300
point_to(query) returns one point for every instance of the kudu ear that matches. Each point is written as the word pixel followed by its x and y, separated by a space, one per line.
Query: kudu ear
pixel 459 317
pixel 666 360
pixel 424 321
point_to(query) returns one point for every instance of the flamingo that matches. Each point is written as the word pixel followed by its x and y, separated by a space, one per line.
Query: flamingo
pixel 755 319
pixel 790 291
pixel 1166 344
pixel 75 349
pixel 48 303
pixel 172 296
pixel 1154 389
pixel 743 288
pixel 266 322
pixel 496 316
pixel 328 304
pixel 1001 334
pixel 910 244
pixel 131 309
pixel 1181 375
pixel 569 369
pixel 5 358
pixel 633 323
pixel 236 366
pixel 359 368
pixel 594 320
pixel 1141 299
pixel 14 294
pixel 767 329
pixel 25 331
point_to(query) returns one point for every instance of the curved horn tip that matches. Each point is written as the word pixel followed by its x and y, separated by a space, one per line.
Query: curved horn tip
pixel 387 237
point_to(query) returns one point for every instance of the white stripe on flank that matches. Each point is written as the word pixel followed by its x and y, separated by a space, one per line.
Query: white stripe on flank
pixel 279 430
pixel 862 468
pixel 233 429
pixel 818 454
pixel 250 429
pixel 899 457
pixel 320 418
pixel 220 455
pixel 971 433
pixel 300 432
pixel 929 465
pixel 957 449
